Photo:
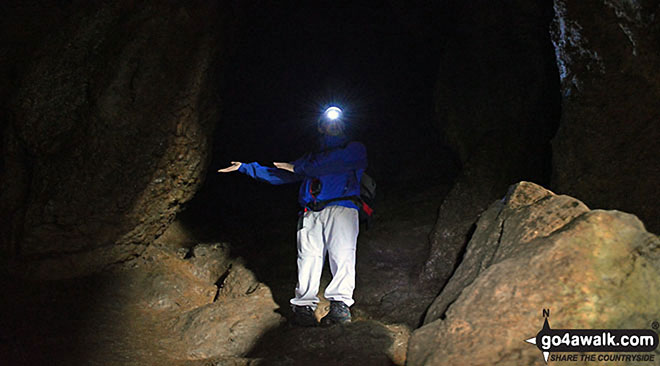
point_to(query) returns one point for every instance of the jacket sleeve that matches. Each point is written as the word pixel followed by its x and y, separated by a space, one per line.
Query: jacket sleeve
pixel 269 174
pixel 351 157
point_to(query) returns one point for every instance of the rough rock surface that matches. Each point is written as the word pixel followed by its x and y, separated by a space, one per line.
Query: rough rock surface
pixel 107 132
pixel 497 101
pixel 523 215
pixel 536 250
pixel 159 308
pixel 230 326
pixel 607 149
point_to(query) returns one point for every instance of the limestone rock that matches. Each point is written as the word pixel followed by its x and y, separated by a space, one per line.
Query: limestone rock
pixel 108 131
pixel 535 250
pixel 607 148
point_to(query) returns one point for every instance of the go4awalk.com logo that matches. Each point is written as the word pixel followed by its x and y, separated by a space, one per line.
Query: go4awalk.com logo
pixel 600 345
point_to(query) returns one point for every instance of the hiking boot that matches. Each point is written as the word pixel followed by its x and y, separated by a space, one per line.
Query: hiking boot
pixel 338 314
pixel 303 316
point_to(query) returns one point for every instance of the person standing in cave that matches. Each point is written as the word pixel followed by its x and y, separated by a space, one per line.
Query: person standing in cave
pixel 329 223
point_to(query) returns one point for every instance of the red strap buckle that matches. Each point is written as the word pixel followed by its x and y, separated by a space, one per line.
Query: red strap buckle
pixel 368 210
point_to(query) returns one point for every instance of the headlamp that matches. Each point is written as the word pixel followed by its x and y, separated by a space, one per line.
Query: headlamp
pixel 332 113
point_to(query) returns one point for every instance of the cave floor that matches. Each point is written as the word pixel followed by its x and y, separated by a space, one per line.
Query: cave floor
pixel 114 318
pixel 131 313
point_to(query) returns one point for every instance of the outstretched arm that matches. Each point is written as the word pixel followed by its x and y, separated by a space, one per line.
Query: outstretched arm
pixel 235 165
pixel 352 157
pixel 259 172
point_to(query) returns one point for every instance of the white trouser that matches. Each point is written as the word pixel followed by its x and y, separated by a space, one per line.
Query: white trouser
pixel 333 230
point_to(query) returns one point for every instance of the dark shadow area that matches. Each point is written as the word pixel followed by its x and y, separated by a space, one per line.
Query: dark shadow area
pixel 50 322
pixel 366 343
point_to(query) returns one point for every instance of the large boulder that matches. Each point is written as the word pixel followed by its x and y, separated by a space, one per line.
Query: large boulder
pixel 535 250
pixel 607 148
pixel 108 130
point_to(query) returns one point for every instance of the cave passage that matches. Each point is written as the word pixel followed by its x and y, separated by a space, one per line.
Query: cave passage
pixel 290 63
pixel 132 249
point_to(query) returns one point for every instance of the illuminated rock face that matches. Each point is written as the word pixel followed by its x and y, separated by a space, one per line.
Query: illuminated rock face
pixel 536 250
pixel 607 148
pixel 108 131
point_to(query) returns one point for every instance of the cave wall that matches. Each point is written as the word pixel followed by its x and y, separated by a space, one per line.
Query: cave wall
pixel 607 149
pixel 107 131
pixel 497 102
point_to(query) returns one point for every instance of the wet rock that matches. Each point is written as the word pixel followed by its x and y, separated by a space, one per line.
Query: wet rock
pixel 536 250
pixel 107 132
pixel 607 147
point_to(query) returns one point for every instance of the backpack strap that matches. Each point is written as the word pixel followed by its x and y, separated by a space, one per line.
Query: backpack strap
pixel 320 205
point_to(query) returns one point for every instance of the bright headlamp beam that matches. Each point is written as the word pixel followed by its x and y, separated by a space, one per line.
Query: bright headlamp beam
pixel 333 113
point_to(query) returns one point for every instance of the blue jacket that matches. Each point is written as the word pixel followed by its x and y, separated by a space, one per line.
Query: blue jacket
pixel 338 166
